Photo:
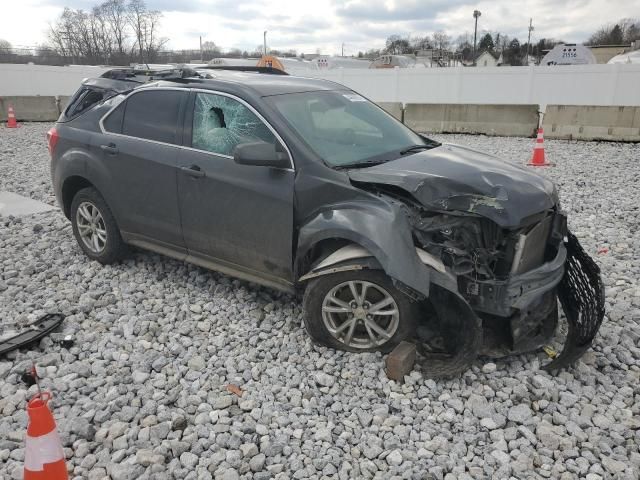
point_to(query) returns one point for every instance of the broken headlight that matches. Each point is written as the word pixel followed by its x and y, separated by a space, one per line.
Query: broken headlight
pixel 465 244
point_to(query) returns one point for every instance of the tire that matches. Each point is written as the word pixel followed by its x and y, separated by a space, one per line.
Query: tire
pixel 380 289
pixel 110 247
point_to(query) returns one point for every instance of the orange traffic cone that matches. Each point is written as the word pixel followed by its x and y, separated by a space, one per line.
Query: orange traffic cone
pixel 11 118
pixel 43 455
pixel 538 159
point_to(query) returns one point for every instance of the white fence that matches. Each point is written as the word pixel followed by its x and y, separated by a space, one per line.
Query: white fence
pixel 609 85
pixel 30 80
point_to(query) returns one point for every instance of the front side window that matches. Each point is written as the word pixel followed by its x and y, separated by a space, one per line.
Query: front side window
pixel 221 123
pixel 345 129
pixel 153 115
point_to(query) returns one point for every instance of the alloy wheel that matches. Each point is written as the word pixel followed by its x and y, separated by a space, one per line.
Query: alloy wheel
pixel 360 314
pixel 91 227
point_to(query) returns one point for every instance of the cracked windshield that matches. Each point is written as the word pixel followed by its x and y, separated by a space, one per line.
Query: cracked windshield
pixel 344 128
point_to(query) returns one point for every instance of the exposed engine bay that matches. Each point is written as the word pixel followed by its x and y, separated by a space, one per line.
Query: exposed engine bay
pixel 511 278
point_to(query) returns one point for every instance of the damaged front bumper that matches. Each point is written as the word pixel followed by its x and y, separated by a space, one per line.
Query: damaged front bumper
pixel 521 313
pixel 502 297
pixel 582 296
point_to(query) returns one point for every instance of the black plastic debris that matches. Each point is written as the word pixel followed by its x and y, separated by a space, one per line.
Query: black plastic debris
pixel 581 294
pixel 34 332
pixel 460 337
pixel 28 378
pixel 67 342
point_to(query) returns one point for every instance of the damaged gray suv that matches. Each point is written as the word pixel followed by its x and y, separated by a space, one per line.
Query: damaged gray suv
pixel 302 184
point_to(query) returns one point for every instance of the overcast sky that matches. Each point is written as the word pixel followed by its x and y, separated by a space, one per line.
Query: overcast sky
pixel 326 24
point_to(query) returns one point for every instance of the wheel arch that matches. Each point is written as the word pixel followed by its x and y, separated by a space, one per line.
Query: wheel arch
pixel 379 228
pixel 71 186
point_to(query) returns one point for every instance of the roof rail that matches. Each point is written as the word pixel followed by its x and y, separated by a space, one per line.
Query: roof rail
pixel 148 75
pixel 240 68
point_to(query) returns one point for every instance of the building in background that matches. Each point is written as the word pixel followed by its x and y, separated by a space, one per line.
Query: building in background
pixel 436 57
pixel 392 61
pixel 488 59
pixel 604 53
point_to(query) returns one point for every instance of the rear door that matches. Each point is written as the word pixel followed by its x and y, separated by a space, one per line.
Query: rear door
pixel 140 153
pixel 234 216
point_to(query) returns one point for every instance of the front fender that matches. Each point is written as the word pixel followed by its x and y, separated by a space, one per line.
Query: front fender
pixel 381 228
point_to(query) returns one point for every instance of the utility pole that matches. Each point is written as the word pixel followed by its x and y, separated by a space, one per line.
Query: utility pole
pixel 265 42
pixel 201 58
pixel 529 41
pixel 342 49
pixel 476 14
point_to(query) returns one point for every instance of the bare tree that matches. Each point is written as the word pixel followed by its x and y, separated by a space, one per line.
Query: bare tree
pixel 115 12
pixel 421 43
pixel 441 40
pixel 625 31
pixel 210 50
pixel 396 45
pixel 145 23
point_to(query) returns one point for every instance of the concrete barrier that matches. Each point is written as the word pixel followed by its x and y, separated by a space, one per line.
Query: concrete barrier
pixel 503 120
pixel 393 108
pixel 32 109
pixel 592 123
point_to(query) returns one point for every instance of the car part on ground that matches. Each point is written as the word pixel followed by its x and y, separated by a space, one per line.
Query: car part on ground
pixel 400 361
pixel 34 332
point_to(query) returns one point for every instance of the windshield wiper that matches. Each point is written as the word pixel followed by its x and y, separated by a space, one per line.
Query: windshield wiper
pixel 364 164
pixel 416 148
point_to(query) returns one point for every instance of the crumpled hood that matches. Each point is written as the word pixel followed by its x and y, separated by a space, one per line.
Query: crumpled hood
pixel 456 178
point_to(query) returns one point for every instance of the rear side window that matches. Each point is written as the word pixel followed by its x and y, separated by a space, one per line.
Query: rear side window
pixel 113 123
pixel 82 100
pixel 153 115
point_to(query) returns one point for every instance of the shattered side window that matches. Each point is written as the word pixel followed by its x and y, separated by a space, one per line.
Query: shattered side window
pixel 221 123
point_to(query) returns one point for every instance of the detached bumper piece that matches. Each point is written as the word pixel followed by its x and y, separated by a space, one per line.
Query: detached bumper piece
pixel 35 331
pixel 581 295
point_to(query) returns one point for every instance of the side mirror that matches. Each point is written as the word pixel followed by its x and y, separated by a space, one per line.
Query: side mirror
pixel 260 154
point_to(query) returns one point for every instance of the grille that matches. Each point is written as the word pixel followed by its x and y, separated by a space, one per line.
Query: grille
pixel 581 294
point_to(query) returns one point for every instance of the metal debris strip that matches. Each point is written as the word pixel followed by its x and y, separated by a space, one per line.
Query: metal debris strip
pixel 221 123
pixel 581 294
pixel 35 331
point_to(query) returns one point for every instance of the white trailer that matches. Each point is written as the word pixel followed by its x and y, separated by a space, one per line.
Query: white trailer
pixel 569 54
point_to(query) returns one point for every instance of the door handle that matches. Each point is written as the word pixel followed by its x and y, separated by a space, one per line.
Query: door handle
pixel 111 149
pixel 193 170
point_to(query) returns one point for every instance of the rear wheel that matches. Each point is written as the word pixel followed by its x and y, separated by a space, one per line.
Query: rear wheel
pixel 358 311
pixel 95 228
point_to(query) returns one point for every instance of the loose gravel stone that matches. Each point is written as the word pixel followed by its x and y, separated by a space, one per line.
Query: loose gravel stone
pixel 142 392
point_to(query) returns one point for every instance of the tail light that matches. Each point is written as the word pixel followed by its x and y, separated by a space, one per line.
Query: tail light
pixel 52 140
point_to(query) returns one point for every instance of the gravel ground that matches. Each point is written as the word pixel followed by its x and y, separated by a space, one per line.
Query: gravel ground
pixel 142 393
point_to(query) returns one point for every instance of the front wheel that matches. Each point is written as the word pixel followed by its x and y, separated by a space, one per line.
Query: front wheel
pixel 358 311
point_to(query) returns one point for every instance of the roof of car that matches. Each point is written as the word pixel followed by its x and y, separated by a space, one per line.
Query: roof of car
pixel 262 84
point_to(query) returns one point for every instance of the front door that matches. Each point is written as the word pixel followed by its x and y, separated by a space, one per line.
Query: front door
pixel 238 217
